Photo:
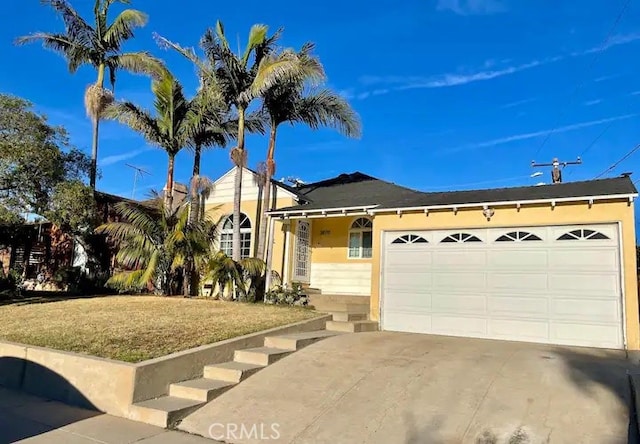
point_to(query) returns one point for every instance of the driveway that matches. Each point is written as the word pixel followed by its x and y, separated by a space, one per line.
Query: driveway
pixel 390 388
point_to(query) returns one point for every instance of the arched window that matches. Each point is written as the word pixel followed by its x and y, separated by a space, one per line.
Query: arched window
pixel 410 239
pixel 460 237
pixel 360 238
pixel 226 236
pixel 518 236
pixel 583 235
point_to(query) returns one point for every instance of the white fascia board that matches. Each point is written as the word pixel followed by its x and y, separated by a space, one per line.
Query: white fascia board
pixel 507 203
pixel 323 211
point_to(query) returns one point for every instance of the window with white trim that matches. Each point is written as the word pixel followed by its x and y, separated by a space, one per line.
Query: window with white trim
pixel 226 236
pixel 361 239
pixel 410 239
pixel 518 236
pixel 460 237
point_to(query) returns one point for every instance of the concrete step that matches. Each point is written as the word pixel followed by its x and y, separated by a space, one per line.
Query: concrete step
pixel 165 411
pixel 203 389
pixel 231 371
pixel 344 316
pixel 296 341
pixel 331 307
pixel 261 355
pixel 340 298
pixel 352 326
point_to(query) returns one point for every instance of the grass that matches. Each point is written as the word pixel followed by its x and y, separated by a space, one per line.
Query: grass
pixel 136 328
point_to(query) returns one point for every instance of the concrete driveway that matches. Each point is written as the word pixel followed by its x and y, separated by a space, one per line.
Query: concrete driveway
pixel 406 388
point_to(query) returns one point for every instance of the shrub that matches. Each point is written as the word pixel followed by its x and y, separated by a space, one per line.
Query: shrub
pixel 282 295
pixel 9 283
pixel 73 280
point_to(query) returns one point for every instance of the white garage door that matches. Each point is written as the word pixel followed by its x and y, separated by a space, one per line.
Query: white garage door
pixel 558 285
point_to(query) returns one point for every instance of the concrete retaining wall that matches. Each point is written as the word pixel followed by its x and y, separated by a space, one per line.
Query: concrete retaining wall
pixel 112 386
pixel 85 381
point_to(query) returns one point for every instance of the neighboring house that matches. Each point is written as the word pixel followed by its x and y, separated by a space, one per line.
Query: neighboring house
pixel 551 264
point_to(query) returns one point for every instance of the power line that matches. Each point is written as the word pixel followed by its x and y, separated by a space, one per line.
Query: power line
pixel 622 159
pixel 581 84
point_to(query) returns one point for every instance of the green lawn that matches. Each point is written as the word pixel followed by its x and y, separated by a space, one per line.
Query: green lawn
pixel 135 328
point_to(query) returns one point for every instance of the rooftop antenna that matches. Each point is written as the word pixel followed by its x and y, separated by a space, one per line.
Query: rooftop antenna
pixel 556 172
pixel 137 173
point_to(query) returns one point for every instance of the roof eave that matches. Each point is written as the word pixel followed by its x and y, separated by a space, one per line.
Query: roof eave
pixel 589 199
pixel 322 212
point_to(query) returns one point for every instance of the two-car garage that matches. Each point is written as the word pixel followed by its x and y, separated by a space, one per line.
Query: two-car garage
pixel 547 284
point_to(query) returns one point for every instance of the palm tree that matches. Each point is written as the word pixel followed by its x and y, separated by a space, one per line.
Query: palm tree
pixel 99 46
pixel 154 244
pixel 169 129
pixel 241 80
pixel 229 276
pixel 293 101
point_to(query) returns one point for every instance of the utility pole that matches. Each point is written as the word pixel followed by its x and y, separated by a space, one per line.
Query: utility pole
pixel 556 172
pixel 137 173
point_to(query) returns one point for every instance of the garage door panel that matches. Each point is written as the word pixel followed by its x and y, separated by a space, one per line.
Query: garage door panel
pixel 459 325
pixel 518 306
pixel 408 322
pixel 531 330
pixel 518 258
pixel 403 257
pixel 459 259
pixel 585 284
pixel 608 336
pixel 597 259
pixel 518 281
pixel 550 291
pixel 460 280
pixel 590 311
pixel 408 301
pixel 418 281
pixel 459 303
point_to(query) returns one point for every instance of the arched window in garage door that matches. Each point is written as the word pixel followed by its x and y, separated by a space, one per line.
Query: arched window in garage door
pixel 410 239
pixel 518 236
pixel 583 234
pixel 460 237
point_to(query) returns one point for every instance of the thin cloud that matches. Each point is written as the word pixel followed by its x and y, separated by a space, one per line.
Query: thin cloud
pixel 532 135
pixel 592 102
pixel 635 93
pixel 117 158
pixel 518 103
pixel 401 83
pixel 471 7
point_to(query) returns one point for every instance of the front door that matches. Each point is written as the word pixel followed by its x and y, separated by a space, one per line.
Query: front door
pixel 302 254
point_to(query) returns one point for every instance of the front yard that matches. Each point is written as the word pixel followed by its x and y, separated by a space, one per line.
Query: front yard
pixel 135 328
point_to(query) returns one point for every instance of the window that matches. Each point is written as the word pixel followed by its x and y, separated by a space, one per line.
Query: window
pixel 226 236
pixel 460 237
pixel 410 239
pixel 518 236
pixel 582 235
pixel 361 239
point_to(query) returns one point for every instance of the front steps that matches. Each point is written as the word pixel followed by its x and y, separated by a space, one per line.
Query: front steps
pixel 187 396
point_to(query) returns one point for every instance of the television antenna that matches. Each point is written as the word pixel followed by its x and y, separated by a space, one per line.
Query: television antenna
pixel 138 173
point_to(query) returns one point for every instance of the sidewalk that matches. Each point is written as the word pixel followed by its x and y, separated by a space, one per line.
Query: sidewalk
pixel 28 419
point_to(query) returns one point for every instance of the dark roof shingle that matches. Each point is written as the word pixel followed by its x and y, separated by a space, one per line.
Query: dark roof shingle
pixel 360 190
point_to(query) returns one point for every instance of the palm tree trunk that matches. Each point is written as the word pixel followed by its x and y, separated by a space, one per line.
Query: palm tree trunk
pixel 93 172
pixel 194 211
pixel 169 190
pixel 237 193
pixel 266 204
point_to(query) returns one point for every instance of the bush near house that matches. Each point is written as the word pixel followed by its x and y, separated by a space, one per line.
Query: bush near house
pixel 283 295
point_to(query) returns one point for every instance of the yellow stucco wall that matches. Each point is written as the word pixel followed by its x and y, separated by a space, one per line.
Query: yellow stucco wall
pixel 330 240
pixel 565 213
pixel 251 209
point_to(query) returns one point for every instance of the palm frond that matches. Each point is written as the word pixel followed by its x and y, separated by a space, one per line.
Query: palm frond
pixel 137 119
pixel 326 108
pixel 272 71
pixel 78 30
pixel 253 267
pixel 257 36
pixel 75 53
pixel 138 63
pixel 122 28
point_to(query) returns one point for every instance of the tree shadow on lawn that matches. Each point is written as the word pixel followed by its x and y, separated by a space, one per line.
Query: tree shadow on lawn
pixel 43 297
pixel 23 416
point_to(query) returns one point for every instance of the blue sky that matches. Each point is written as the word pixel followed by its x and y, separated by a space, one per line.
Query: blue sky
pixel 453 94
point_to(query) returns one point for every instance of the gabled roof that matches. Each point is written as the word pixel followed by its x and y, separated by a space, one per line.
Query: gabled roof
pixel 350 190
pixel 358 191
